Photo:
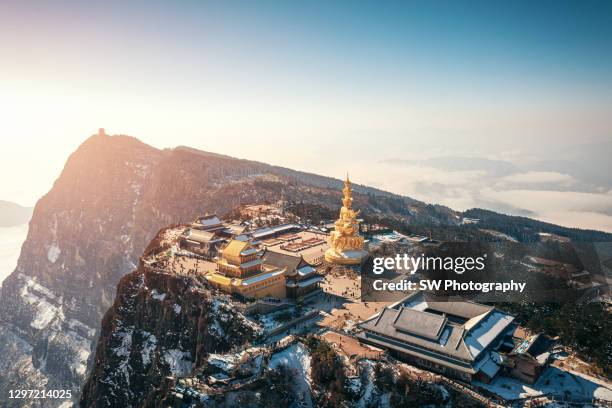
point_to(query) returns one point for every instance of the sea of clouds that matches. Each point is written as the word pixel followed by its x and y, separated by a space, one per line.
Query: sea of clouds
pixel 569 184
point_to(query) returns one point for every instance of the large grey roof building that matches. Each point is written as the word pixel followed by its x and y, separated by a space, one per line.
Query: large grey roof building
pixel 460 339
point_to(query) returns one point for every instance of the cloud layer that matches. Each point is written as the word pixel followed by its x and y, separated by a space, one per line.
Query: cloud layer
pixel 462 182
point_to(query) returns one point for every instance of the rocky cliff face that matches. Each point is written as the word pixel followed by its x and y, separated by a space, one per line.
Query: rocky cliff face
pixel 161 324
pixel 112 197
pixel 81 240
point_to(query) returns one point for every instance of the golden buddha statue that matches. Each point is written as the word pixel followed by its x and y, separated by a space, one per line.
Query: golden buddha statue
pixel 346 245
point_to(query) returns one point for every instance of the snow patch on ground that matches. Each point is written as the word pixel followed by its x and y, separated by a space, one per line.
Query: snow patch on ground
pixel 38 296
pixel 16 361
pixel 123 351
pixel 80 327
pixel 179 362
pixel 553 380
pixel 269 320
pixel 148 347
pixel 177 308
pixel 368 392
pixel 53 253
pixel 224 362
pixel 170 237
pixel 297 359
pixel 37 287
pixel 250 359
pixel 158 296
pixel 224 312
pixel 125 337
pixel 44 316
pixel 79 351
pixel 47 308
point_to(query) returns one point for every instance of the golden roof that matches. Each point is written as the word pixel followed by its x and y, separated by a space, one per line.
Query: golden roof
pixel 234 248
pixel 219 279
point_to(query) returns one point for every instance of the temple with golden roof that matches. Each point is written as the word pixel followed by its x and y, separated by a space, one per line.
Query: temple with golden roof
pixel 240 270
pixel 346 246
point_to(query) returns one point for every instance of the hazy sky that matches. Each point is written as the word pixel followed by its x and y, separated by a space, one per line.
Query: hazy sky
pixel 407 96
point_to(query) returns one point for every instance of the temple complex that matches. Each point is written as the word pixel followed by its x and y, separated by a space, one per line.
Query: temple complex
pixel 346 246
pixel 241 270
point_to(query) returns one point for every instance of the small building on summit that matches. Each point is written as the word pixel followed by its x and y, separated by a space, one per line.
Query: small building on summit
pixel 530 357
pixel 205 236
pixel 209 222
pixel 205 243
pixel 241 270
pixel 301 277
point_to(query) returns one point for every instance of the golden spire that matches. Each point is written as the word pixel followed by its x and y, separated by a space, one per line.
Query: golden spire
pixel 348 193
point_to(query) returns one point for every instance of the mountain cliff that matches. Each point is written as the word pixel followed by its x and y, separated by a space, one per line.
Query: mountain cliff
pixel 160 324
pixel 114 194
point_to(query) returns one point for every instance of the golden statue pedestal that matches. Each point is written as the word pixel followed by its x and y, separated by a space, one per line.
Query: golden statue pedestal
pixel 348 257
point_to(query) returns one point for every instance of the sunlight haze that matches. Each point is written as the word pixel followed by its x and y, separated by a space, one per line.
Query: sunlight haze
pixel 463 112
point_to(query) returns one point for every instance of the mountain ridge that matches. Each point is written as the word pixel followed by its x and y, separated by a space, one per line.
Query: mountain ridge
pixel 13 214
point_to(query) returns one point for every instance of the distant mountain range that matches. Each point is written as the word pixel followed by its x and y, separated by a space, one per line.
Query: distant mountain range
pixel 12 214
